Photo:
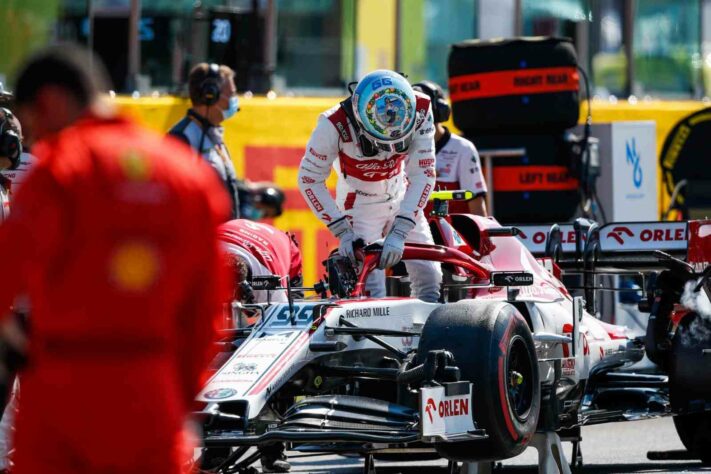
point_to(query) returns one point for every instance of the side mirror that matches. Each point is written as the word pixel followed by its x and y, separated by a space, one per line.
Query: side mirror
pixel 512 279
pixel 578 312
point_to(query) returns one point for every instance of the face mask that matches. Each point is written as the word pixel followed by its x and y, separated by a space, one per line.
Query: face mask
pixel 252 213
pixel 232 108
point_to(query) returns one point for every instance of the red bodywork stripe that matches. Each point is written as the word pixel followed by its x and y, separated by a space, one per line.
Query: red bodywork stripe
pixel 699 243
pixel 615 332
pixel 269 376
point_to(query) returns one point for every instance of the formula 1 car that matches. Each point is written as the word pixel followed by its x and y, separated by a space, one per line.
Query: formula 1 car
pixel 508 353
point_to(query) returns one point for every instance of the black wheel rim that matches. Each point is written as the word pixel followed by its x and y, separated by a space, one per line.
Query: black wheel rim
pixel 519 378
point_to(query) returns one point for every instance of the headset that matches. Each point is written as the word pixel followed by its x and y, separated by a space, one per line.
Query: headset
pixel 10 144
pixel 440 108
pixel 211 86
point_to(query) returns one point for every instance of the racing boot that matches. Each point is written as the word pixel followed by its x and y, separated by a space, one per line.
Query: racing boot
pixel 273 458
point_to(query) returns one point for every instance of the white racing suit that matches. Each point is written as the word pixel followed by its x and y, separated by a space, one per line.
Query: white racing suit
pixel 372 191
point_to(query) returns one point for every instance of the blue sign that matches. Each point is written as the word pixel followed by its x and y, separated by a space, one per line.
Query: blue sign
pixel 303 316
pixel 633 159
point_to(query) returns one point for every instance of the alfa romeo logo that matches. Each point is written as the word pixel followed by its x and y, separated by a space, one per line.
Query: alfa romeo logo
pixel 220 393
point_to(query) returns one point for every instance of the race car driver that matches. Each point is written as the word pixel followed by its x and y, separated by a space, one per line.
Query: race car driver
pixel 458 165
pixel 122 296
pixel 380 141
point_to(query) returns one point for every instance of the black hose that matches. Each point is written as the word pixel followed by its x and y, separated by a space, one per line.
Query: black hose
pixel 408 376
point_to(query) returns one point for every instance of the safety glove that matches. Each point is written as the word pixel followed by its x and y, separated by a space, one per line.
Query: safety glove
pixel 394 243
pixel 343 231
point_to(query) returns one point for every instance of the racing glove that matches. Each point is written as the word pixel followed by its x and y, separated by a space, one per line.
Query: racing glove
pixel 394 243
pixel 343 231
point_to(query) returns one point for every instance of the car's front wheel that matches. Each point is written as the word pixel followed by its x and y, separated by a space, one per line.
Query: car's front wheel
pixel 493 348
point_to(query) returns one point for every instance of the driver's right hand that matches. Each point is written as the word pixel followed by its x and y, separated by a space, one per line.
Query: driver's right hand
pixel 347 238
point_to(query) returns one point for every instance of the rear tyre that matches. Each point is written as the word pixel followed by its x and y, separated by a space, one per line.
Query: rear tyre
pixel 493 348
pixel 690 384
pixel 695 433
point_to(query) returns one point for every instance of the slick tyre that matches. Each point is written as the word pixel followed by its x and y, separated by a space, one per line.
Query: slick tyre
pixel 493 348
pixel 695 434
pixel 690 384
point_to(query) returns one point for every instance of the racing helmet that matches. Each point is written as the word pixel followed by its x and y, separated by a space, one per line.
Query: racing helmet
pixel 384 105
pixel 271 197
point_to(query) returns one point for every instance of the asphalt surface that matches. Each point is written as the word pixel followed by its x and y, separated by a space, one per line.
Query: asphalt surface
pixel 607 449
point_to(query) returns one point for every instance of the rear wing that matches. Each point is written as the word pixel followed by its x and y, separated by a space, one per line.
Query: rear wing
pixel 586 245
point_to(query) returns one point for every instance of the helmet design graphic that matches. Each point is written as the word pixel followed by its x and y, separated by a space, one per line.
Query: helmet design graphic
pixel 384 105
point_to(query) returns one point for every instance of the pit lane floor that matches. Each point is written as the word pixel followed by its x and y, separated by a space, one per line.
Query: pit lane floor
pixel 607 449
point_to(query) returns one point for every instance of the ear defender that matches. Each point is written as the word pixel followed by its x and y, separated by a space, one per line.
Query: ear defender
pixel 211 85
pixel 440 108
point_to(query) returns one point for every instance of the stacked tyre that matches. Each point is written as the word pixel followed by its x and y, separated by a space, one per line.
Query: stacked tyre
pixel 521 93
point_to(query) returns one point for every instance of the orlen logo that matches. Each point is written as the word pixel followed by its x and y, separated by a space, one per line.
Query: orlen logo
pixel 424 195
pixel 648 235
pixel 314 200
pixel 617 234
pixel 566 237
pixel 431 408
pixel 447 408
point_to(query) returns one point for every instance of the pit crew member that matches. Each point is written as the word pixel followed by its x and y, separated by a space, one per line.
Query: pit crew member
pixel 12 339
pixel 259 249
pixel 213 95
pixel 120 292
pixel 458 165
pixel 262 200
pixel 380 142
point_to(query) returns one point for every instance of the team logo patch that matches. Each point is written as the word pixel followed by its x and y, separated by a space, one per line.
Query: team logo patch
pixel 220 393
pixel 424 196
pixel 619 232
pixel 134 266
pixel 134 166
pixel 320 156
pixel 307 180
pixel 314 200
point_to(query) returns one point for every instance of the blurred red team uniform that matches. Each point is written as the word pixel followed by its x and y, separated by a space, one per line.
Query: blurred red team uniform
pixel 114 239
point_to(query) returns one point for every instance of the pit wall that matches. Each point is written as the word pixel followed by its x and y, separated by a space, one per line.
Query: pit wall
pixel 267 139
